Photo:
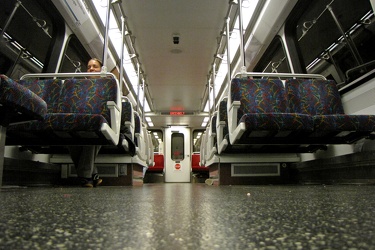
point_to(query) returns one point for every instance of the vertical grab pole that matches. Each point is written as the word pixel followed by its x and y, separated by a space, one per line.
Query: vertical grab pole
pixel 242 55
pixel 143 101
pixel 10 18
pixel 122 50
pixel 105 47
pixel 213 85
pixel 209 99
pixel 228 49
pixel 139 85
pixel 347 38
pixel 122 39
pixel 229 73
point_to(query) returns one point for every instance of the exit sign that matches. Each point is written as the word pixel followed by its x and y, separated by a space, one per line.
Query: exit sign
pixel 176 112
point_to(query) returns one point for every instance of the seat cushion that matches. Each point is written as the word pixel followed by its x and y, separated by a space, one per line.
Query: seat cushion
pixel 277 121
pixel 64 122
pixel 19 103
pixel 344 122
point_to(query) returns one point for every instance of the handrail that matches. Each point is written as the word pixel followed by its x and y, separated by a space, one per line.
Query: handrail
pixel 106 37
pixel 278 75
pixel 68 75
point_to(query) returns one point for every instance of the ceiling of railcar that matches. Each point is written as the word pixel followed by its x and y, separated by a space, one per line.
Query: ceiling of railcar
pixel 176 74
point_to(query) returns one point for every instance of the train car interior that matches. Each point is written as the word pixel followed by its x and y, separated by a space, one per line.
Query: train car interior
pixel 170 124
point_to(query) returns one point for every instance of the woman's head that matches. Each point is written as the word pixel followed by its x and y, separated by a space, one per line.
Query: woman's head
pixel 94 65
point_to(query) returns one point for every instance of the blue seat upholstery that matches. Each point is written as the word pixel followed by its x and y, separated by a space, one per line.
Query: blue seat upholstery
pixel 321 100
pixel 137 128
pixel 262 115
pixel 305 115
pixel 18 103
pixel 222 132
pixel 49 90
pixel 126 118
pixel 264 106
pixel 78 115
pixel 211 138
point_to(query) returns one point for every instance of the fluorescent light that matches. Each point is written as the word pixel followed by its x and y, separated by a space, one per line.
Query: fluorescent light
pixel 205 121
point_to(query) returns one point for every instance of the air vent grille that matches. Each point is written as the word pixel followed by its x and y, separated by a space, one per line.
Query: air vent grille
pixel 255 169
pixel 104 170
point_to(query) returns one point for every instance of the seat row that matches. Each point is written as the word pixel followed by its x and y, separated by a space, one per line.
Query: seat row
pixel 159 166
pixel 83 112
pixel 79 112
pixel 270 115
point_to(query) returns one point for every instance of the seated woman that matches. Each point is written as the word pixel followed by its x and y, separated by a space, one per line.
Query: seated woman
pixel 83 157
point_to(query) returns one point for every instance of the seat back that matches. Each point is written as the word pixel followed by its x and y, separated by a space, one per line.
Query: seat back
pixel 137 127
pixel 223 116
pixel 49 90
pixel 18 103
pixel 213 123
pixel 88 96
pixel 127 120
pixel 195 162
pixel 197 166
pixel 314 97
pixel 159 164
pixel 259 96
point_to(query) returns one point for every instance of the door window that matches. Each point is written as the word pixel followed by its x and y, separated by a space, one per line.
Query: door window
pixel 177 146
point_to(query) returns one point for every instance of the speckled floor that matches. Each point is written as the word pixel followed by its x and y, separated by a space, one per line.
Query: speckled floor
pixel 188 216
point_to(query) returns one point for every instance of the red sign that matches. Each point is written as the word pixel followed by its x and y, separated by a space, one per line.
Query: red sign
pixel 176 112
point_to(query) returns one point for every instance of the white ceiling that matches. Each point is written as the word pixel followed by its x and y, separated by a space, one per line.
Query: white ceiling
pixel 176 81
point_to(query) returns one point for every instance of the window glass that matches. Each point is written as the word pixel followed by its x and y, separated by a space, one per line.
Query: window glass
pixel 27 37
pixel 75 57
pixel 177 146
pixel 274 59
pixel 157 140
pixel 197 139
pixel 336 38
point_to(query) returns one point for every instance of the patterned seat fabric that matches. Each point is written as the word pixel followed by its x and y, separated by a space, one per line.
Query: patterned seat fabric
pixel 49 90
pixel 19 103
pixel 65 122
pixel 259 96
pixel 88 96
pixel 277 121
pixel 321 99
pixel 223 116
pixel 137 128
pixel 77 111
pixel 126 115
pixel 313 97
pixel 264 106
pixel 213 124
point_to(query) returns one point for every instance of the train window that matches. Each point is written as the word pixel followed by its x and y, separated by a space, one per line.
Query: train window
pixel 177 147
pixel 26 36
pixel 274 59
pixel 337 37
pixel 75 57
pixel 197 138
pixel 157 140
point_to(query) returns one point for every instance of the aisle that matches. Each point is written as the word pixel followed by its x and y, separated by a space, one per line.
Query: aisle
pixel 188 216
